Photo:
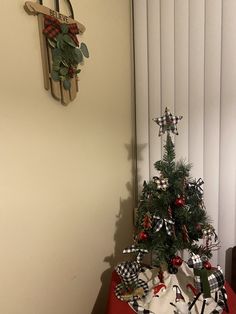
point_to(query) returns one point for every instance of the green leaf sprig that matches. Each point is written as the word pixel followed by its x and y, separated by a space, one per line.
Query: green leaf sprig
pixel 66 56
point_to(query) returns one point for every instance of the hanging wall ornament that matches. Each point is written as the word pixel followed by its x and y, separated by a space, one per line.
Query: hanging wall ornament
pixel 60 49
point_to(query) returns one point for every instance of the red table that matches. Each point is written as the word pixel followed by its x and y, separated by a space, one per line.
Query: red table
pixel 115 306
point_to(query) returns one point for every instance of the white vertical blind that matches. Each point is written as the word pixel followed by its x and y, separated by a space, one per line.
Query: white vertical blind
pixel 196 84
pixel 227 190
pixel 154 76
pixel 212 108
pixel 185 58
pixel 181 62
pixel 141 84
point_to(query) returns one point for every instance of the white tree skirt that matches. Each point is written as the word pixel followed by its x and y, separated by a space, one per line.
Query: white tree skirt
pixel 161 304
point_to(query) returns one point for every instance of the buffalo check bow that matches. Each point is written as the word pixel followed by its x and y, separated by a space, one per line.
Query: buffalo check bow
pixel 197 185
pixel 162 184
pixel 160 222
pixel 168 122
pixel 134 249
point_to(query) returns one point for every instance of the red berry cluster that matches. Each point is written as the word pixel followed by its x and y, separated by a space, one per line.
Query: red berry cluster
pixel 71 72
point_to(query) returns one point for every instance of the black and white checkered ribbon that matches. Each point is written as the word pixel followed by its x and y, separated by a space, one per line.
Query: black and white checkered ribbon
pixel 134 249
pixel 163 221
pixel 195 262
pixel 138 308
pixel 197 185
pixel 215 279
pixel 162 184
pixel 168 122
pixel 119 291
pixel 128 271
pixel 209 233
pixel 222 300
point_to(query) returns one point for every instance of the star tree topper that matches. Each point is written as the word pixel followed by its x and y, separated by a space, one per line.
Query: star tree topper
pixel 168 122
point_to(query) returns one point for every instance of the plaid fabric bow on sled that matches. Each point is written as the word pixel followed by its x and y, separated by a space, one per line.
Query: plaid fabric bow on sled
pixel 52 27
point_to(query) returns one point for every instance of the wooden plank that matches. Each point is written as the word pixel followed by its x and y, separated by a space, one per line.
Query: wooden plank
pixel 55 85
pixel 34 8
pixel 44 53
pixel 212 110
pixel 73 89
pixel 65 95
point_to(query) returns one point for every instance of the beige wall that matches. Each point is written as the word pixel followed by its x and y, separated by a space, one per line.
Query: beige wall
pixel 65 172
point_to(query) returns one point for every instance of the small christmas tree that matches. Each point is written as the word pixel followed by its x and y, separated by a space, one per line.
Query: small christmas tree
pixel 171 215
pixel 170 218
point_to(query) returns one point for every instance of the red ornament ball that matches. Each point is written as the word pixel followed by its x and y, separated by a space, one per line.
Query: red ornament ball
pixel 198 227
pixel 180 201
pixel 176 261
pixel 207 265
pixel 143 235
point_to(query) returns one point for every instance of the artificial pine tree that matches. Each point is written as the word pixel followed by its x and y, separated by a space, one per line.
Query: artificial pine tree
pixel 170 218
pixel 171 215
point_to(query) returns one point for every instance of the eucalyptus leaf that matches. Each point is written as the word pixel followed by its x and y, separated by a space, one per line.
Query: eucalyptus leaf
pixel 56 67
pixel 60 37
pixel 84 50
pixel 56 59
pixel 78 71
pixel 56 52
pixel 51 43
pixel 68 40
pixel 62 45
pixel 66 84
pixel 55 75
pixel 64 28
pixel 65 63
pixel 78 56
pixel 64 71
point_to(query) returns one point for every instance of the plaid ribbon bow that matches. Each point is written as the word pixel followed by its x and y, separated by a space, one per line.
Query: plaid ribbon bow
pixel 162 184
pixel 168 122
pixel 197 185
pixel 209 233
pixel 134 249
pixel 52 27
pixel 195 262
pixel 139 308
pixel 208 281
pixel 160 222
pixel 128 271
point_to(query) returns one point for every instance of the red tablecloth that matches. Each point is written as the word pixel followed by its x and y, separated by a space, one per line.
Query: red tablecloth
pixel 116 306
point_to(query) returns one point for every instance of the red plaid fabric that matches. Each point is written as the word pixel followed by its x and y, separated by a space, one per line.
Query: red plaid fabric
pixel 73 30
pixel 52 29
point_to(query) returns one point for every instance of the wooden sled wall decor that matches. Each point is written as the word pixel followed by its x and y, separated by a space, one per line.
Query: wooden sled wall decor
pixel 61 51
